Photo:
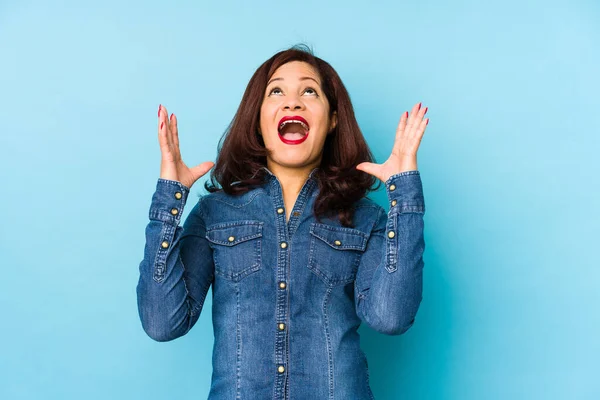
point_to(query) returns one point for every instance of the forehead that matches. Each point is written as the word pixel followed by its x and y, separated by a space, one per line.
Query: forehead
pixel 295 70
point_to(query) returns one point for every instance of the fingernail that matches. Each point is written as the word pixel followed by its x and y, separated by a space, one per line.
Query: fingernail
pixel 161 125
pixel 419 106
pixel 426 108
pixel 427 121
pixel 406 114
pixel 159 109
pixel 171 117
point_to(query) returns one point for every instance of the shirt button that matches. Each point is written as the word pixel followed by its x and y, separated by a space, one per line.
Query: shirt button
pixel 391 234
pixel 174 211
pixel 165 244
pixel 282 285
pixel 280 369
pixel 338 243
pixel 394 202
pixel 178 195
pixel 280 211
pixel 281 327
pixel 283 245
pixel 231 238
pixel 392 187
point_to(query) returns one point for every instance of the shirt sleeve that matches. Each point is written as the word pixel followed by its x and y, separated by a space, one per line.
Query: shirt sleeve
pixel 389 283
pixel 177 268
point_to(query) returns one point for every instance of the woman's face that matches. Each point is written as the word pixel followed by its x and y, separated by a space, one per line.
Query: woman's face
pixel 295 91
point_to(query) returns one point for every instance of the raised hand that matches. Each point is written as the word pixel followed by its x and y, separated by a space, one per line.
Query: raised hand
pixel 172 166
pixel 404 152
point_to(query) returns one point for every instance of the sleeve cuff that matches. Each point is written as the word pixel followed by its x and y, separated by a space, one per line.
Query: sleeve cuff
pixel 168 201
pixel 405 192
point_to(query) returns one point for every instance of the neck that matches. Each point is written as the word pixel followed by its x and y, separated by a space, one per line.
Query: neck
pixel 291 179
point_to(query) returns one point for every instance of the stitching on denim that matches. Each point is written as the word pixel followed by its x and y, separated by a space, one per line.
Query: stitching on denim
pixel 252 195
pixel 221 225
pixel 315 227
pixel 406 208
pixel 234 275
pixel 330 360
pixel 238 336
pixel 328 280
pixel 174 183
pixel 160 259
pixel 405 173
pixel 164 216
pixel 197 304
pixel 302 201
pixel 391 244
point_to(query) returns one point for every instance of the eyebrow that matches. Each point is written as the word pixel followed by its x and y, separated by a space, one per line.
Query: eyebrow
pixel 302 79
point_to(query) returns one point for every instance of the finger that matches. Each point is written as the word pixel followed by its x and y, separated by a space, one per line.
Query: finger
pixel 166 126
pixel 420 119
pixel 401 125
pixel 421 129
pixel 163 138
pixel 201 169
pixel 174 130
pixel 369 168
pixel 412 117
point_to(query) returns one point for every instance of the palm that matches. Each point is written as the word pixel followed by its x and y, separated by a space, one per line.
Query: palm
pixel 404 151
pixel 172 166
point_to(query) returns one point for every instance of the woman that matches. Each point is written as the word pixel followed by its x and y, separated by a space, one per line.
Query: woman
pixel 296 254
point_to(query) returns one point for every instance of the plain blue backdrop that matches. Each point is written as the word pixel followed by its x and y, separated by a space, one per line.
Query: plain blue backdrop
pixel 509 163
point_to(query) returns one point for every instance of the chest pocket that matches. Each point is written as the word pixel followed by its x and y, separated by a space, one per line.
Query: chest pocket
pixel 236 248
pixel 335 252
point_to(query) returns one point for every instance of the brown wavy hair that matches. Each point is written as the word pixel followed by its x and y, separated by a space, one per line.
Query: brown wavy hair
pixel 241 155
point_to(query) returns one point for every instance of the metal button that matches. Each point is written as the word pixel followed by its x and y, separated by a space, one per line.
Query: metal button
pixel 178 195
pixel 391 234
pixel 165 244
pixel 280 369
pixel 283 245
pixel 174 211
pixel 280 211
pixel 282 285
pixel 392 187
pixel 231 238
pixel 281 327
pixel 394 202
pixel 338 243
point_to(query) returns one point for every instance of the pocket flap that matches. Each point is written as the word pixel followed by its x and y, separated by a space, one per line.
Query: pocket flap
pixel 232 233
pixel 340 237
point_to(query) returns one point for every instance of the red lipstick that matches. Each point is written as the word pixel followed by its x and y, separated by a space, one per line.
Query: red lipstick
pixel 294 118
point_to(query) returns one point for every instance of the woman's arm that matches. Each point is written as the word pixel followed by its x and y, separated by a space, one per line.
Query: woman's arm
pixel 389 283
pixel 177 269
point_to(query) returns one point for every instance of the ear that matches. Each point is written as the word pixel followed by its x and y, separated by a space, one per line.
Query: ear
pixel 333 121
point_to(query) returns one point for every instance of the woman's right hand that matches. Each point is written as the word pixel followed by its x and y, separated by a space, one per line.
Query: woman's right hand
pixel 171 165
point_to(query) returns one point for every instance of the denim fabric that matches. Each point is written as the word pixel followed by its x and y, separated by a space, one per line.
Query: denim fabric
pixel 287 297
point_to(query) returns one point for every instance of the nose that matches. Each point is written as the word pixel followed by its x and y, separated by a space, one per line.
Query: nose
pixel 293 102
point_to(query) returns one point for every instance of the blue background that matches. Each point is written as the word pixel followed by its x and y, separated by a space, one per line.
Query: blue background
pixel 509 164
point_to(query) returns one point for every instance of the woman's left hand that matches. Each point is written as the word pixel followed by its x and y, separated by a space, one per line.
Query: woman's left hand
pixel 404 152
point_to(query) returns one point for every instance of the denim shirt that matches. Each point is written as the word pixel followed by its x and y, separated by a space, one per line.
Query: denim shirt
pixel 287 296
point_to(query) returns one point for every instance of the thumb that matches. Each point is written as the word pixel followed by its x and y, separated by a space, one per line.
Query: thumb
pixel 201 169
pixel 369 168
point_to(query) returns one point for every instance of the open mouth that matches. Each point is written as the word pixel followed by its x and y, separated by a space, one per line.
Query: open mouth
pixel 293 129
